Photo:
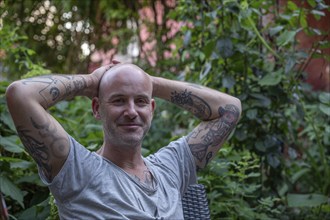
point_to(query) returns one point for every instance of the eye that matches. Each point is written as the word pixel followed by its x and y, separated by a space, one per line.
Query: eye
pixel 118 101
pixel 142 101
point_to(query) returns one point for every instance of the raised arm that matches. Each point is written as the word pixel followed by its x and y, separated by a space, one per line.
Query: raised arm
pixel 42 136
pixel 218 111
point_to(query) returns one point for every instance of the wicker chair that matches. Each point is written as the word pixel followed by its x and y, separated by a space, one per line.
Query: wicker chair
pixel 194 203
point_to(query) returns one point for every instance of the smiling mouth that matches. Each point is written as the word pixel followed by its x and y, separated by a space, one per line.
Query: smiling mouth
pixel 129 125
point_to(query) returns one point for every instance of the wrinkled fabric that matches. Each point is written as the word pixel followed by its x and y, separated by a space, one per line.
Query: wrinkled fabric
pixel 92 187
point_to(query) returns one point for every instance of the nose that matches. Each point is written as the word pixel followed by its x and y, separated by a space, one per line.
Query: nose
pixel 130 110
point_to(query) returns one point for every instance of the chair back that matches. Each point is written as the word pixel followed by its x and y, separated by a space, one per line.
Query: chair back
pixel 195 204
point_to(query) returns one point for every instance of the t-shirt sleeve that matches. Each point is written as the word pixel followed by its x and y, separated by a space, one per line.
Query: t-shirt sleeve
pixel 73 176
pixel 178 158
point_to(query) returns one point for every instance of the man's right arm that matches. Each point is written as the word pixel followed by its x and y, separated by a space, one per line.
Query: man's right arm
pixel 42 136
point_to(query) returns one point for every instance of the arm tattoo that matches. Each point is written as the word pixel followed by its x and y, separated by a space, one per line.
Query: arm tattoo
pixel 58 87
pixel 192 103
pixel 48 131
pixel 213 134
pixel 39 151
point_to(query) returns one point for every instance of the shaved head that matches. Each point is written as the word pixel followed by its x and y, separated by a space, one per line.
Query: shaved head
pixel 126 74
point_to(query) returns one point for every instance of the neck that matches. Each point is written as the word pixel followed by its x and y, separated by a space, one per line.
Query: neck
pixel 124 157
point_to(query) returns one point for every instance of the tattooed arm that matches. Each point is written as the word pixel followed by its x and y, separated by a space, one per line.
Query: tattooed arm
pixel 218 111
pixel 42 136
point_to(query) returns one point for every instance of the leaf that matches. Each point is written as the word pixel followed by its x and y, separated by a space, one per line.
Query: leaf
pixel 311 3
pixel 292 6
pixel 11 190
pixel 208 49
pixel 273 160
pixel 285 38
pixel 306 200
pixel 324 97
pixel 6 119
pixel 275 30
pixel 261 100
pixel 228 82
pixel 299 174
pixel 10 144
pixel 325 109
pixel 290 63
pixel 302 19
pixel 187 38
pixel 317 13
pixel 271 79
pixel 252 113
pixel 206 69
pixel 21 164
pixel 225 48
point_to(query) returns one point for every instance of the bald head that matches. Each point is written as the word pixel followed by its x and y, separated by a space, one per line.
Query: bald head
pixel 127 75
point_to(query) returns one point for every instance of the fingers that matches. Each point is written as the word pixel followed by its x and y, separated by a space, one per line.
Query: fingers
pixel 112 64
pixel 115 61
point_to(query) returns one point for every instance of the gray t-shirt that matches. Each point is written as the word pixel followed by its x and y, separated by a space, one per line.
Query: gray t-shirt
pixel 92 187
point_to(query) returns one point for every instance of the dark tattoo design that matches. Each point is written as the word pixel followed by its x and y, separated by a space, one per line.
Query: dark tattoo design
pixel 147 178
pixel 213 133
pixel 49 131
pixel 208 157
pixel 192 103
pixel 38 149
pixel 58 87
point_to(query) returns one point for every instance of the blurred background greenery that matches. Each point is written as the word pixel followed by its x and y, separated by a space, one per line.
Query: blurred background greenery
pixel 272 54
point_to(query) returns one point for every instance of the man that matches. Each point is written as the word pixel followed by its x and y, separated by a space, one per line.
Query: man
pixel 116 182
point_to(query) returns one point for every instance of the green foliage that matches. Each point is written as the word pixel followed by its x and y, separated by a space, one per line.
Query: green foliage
pixel 285 123
pixel 25 194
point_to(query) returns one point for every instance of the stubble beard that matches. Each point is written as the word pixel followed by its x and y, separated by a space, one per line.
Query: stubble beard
pixel 126 139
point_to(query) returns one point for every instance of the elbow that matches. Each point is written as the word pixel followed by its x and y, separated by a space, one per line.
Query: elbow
pixel 238 105
pixel 13 94
pixel 10 91
pixel 232 112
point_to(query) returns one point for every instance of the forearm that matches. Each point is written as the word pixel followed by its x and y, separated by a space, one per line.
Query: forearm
pixel 203 102
pixel 50 89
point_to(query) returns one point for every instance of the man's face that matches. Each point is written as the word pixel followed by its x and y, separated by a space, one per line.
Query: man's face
pixel 126 107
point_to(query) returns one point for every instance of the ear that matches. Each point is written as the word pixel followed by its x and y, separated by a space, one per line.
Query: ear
pixel 96 108
pixel 153 106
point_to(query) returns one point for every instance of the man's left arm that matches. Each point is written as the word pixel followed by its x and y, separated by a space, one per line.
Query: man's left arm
pixel 218 111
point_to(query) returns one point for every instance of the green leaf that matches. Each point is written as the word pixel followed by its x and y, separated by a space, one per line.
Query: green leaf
pixel 225 47
pixel 290 63
pixel 324 97
pixel 311 3
pixel 10 144
pixel 24 164
pixel 187 38
pixel 306 200
pixel 317 13
pixel 303 20
pixel 325 109
pixel 285 38
pixel 228 82
pixel 292 6
pixel 6 119
pixel 299 174
pixel 208 49
pixel 252 113
pixel 261 100
pixel 275 30
pixel 11 190
pixel 271 79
